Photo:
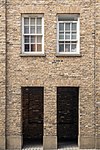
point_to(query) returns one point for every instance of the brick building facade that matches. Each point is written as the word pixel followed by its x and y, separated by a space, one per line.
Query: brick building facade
pixel 50 72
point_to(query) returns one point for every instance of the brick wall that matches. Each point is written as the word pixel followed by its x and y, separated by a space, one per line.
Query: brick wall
pixel 51 71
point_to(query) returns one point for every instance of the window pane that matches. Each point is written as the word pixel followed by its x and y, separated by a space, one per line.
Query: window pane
pixel 39 47
pixel 61 36
pixel 32 39
pixel 26 21
pixel 39 29
pixel 26 39
pixel 61 26
pixel 73 47
pixel 67 48
pixel 32 21
pixel 33 47
pixel 32 29
pixel 39 39
pixel 26 47
pixel 26 29
pixel 39 21
pixel 67 35
pixel 67 26
pixel 74 26
pixel 73 36
pixel 61 47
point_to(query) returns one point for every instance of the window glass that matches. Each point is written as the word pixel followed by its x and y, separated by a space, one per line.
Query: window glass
pixel 39 29
pixel 61 47
pixel 67 35
pixel 39 21
pixel 39 47
pixel 67 26
pixel 26 29
pixel 26 39
pixel 73 35
pixel 26 47
pixel 32 39
pixel 73 47
pixel 33 47
pixel 39 39
pixel 61 36
pixel 32 21
pixel 26 21
pixel 67 47
pixel 32 29
pixel 74 26
pixel 61 27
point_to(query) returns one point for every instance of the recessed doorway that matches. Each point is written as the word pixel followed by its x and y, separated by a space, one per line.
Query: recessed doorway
pixel 32 115
pixel 67 115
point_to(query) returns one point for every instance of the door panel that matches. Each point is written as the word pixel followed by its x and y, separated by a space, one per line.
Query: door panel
pixel 32 98
pixel 67 113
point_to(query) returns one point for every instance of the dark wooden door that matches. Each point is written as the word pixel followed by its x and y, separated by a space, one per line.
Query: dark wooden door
pixel 67 113
pixel 32 98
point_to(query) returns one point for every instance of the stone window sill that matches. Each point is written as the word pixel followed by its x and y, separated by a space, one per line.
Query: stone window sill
pixel 32 55
pixel 69 55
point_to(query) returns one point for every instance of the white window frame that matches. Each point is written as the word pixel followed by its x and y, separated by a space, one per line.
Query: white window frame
pixel 78 33
pixel 42 34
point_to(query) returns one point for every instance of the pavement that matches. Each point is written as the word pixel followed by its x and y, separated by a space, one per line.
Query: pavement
pixel 61 147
